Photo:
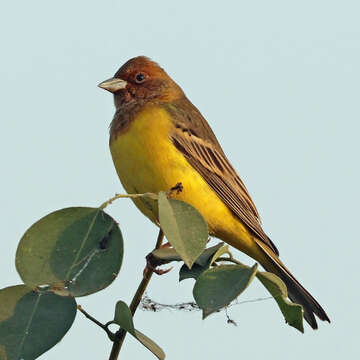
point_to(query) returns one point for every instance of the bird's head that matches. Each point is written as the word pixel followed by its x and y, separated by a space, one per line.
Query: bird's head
pixel 141 79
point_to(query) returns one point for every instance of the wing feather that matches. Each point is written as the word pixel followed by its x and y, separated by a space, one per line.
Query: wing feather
pixel 195 139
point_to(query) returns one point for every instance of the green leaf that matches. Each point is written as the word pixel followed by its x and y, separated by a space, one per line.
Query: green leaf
pixel 201 264
pixel 166 255
pixel 221 251
pixel 124 319
pixel 205 258
pixel 75 251
pixel 293 313
pixel 184 227
pixel 218 286
pixel 193 273
pixel 32 322
pixel 150 344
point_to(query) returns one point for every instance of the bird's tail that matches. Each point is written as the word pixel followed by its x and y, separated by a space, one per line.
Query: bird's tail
pixel 296 292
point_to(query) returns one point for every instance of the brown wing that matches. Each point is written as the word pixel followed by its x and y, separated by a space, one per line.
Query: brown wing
pixel 195 139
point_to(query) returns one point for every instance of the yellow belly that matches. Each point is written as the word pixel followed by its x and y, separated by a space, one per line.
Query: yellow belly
pixel 147 161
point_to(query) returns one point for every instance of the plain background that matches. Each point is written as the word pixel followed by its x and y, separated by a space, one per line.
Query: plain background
pixel 279 83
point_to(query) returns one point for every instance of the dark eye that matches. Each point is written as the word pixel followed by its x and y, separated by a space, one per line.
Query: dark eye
pixel 140 77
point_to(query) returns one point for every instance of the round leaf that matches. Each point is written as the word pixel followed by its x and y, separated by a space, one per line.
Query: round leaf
pixel 218 286
pixel 184 227
pixel 32 322
pixel 75 250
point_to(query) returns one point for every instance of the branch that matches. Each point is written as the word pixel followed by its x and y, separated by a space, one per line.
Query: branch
pixel 148 272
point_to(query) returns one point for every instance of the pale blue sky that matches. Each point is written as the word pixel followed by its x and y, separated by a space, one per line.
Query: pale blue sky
pixel 279 83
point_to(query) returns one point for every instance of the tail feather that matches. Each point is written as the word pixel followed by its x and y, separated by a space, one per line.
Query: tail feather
pixel 296 292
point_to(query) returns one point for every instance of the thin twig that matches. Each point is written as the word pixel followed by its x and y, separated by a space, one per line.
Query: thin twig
pixel 98 323
pixel 148 272
pixel 133 196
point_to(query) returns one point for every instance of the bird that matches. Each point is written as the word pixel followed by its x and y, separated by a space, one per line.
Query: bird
pixel 158 138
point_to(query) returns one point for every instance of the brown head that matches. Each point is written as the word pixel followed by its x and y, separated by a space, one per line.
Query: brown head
pixel 141 79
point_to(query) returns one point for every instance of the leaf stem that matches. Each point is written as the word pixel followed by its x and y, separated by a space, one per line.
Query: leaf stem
pixel 148 272
pixel 121 196
pixel 98 323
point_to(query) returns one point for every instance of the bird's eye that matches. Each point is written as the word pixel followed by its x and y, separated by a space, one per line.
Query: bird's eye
pixel 140 77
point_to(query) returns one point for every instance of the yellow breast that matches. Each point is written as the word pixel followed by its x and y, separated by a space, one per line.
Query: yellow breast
pixel 147 161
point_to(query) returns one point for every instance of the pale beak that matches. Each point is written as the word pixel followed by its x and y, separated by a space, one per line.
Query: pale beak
pixel 113 84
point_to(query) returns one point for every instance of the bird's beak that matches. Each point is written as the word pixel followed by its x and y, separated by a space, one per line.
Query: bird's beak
pixel 113 84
